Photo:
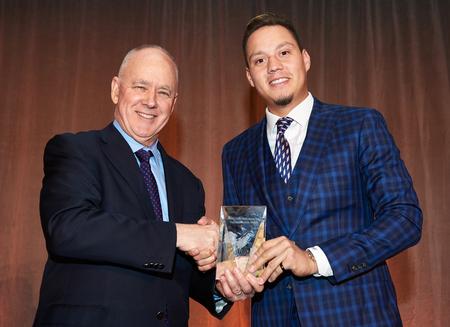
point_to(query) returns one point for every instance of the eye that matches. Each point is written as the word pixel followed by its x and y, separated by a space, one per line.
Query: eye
pixel 139 88
pixel 164 93
pixel 284 53
pixel 258 61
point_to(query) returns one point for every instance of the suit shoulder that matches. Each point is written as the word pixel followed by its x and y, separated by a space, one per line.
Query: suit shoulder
pixel 348 114
pixel 81 141
pixel 179 168
pixel 238 141
pixel 339 109
pixel 78 137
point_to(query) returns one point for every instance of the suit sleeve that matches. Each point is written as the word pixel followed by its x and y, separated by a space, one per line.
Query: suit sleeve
pixel 230 196
pixel 76 225
pixel 203 291
pixel 395 217
pixel 202 287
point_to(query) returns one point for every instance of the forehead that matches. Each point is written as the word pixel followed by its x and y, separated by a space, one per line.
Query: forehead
pixel 151 65
pixel 268 38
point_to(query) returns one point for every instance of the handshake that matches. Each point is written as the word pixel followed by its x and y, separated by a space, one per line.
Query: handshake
pixel 200 241
pixel 275 256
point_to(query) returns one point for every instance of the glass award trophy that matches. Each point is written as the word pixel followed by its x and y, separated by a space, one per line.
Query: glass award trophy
pixel 242 231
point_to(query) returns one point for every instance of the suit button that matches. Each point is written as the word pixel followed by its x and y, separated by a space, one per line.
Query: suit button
pixel 160 266
pixel 160 315
pixel 290 198
pixel 146 265
pixel 354 268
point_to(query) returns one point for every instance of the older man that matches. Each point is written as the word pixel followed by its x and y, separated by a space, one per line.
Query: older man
pixel 119 214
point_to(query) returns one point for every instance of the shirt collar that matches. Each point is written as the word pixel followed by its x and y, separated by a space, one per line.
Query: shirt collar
pixel 134 145
pixel 300 114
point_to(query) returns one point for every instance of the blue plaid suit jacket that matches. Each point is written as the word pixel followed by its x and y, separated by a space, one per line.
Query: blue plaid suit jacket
pixel 353 197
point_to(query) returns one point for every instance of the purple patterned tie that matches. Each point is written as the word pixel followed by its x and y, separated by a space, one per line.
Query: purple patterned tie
pixel 150 181
pixel 282 150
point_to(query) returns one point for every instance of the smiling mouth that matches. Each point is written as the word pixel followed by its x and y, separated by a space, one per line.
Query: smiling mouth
pixel 145 115
pixel 278 81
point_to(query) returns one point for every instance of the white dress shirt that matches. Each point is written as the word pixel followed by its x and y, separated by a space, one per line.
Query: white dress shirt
pixel 296 135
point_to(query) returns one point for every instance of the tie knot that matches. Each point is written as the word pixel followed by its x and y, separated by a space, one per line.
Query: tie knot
pixel 143 155
pixel 283 124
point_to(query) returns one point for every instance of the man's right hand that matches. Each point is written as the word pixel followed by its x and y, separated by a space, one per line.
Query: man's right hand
pixel 198 238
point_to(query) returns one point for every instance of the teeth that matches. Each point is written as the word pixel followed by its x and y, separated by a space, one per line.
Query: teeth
pixel 146 116
pixel 279 80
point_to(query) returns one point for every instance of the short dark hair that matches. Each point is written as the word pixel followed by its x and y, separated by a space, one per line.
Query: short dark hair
pixel 267 19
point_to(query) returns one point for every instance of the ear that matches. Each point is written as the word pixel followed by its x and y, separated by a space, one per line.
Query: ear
pixel 115 89
pixel 249 77
pixel 306 59
pixel 173 103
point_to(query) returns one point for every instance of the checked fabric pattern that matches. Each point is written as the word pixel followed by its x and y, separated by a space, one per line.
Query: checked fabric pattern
pixel 358 210
pixel 282 149
pixel 150 181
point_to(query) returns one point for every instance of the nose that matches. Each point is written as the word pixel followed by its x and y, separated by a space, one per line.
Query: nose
pixel 273 64
pixel 150 98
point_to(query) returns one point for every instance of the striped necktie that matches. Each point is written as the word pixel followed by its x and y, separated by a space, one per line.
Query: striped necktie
pixel 282 150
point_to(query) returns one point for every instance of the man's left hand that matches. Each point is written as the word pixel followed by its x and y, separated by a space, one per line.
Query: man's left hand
pixel 280 254
pixel 234 286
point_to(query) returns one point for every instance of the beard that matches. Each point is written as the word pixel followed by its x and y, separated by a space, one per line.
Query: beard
pixel 284 101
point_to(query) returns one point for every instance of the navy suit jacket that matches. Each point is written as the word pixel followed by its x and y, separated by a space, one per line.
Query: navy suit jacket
pixel 110 263
pixel 349 193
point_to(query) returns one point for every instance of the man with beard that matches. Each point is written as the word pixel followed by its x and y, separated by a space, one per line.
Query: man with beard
pixel 339 198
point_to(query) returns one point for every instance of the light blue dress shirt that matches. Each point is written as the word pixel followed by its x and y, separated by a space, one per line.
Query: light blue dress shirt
pixel 156 165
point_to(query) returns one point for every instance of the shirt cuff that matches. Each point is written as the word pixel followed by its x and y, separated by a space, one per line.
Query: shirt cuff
pixel 323 265
pixel 220 302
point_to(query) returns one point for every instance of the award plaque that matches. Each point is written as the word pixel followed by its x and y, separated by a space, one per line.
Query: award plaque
pixel 242 231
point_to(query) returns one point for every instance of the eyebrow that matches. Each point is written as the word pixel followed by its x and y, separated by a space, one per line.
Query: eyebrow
pixel 281 45
pixel 145 82
pixel 140 81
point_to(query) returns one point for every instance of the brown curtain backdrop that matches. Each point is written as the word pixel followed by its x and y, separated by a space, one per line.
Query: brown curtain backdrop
pixel 57 59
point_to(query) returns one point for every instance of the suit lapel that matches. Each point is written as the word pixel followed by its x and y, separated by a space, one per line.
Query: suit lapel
pixel 319 131
pixel 118 152
pixel 256 162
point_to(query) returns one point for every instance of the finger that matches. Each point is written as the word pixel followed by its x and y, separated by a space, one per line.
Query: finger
pixel 220 269
pixel 200 255
pixel 269 244
pixel 264 258
pixel 273 269
pixel 253 281
pixel 219 287
pixel 244 285
pixel 277 272
pixel 204 221
pixel 233 283
pixel 227 292
pixel 270 252
pixel 224 290
pixel 193 252
pixel 207 267
pixel 206 261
